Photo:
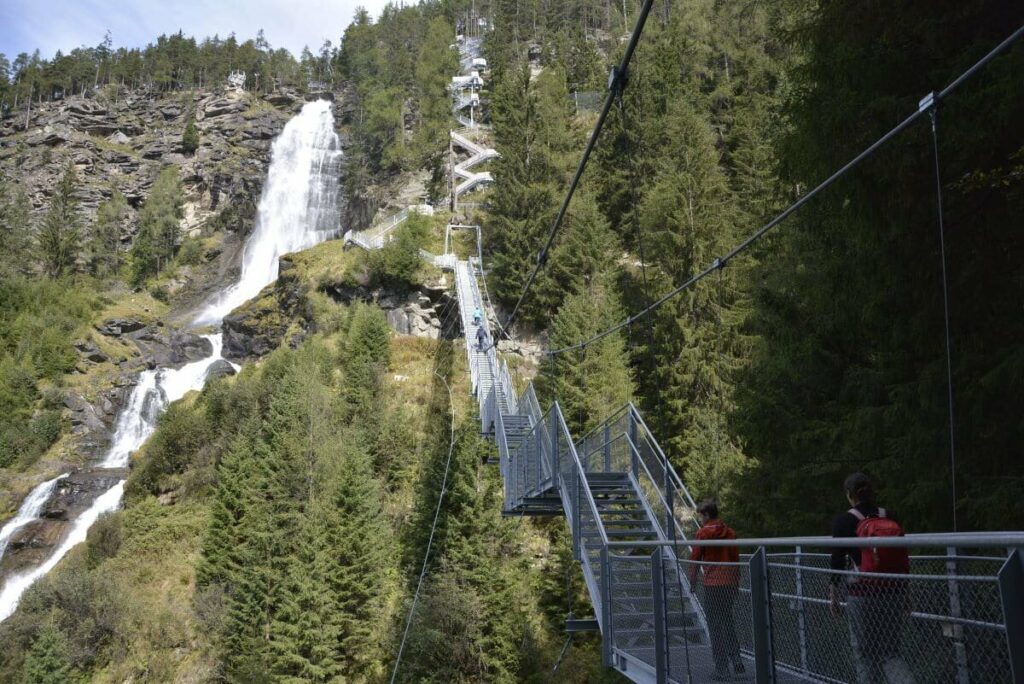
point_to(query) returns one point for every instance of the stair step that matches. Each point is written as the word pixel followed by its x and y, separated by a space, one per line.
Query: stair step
pixel 636 522
pixel 622 533
pixel 616 502
pixel 605 477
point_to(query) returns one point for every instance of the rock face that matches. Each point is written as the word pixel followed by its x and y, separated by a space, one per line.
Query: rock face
pixel 259 326
pixel 162 347
pixel 34 542
pixel 415 312
pixel 124 140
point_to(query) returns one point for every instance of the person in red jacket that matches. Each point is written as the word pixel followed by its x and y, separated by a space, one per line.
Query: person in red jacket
pixel 721 584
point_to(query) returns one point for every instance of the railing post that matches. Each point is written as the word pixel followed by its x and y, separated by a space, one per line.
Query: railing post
pixel 555 420
pixel 1011 590
pixel 760 604
pixel 607 437
pixel 801 610
pixel 956 611
pixel 539 446
pixel 576 509
pixel 606 608
pixel 660 626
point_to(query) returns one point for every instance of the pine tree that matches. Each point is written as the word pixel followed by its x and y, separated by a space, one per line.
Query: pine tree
pixel 15 229
pixel 159 227
pixel 190 137
pixel 361 566
pixel 434 67
pixel 60 236
pixel 105 240
pixel 47 661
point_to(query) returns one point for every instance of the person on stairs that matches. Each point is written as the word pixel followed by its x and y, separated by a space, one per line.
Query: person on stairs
pixel 876 606
pixel 720 565
pixel 477 316
pixel 481 338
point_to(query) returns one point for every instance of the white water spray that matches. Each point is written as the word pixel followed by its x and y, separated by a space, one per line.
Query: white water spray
pixel 151 396
pixel 16 586
pixel 30 509
pixel 298 208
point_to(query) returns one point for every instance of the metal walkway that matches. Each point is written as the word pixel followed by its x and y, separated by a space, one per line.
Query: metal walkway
pixel 633 524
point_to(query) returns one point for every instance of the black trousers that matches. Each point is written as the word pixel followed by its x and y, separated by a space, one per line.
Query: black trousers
pixel 718 603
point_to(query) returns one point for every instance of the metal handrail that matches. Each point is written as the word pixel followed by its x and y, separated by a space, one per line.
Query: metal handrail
pixel 661 496
pixel 582 473
pixel 959 539
pixel 664 459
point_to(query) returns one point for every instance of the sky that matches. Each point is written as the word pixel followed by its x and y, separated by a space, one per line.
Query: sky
pixel 52 25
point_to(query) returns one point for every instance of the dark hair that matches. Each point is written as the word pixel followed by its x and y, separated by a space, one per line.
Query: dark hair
pixel 859 486
pixel 708 508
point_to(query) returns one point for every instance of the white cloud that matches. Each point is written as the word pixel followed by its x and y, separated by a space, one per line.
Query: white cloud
pixel 52 25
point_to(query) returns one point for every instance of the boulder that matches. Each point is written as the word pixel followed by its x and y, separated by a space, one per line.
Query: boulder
pixel 90 351
pixel 221 368
pixel 220 107
pixel 119 138
pixel 116 327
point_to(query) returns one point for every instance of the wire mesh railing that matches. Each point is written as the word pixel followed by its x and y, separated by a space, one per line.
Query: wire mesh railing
pixel 788 615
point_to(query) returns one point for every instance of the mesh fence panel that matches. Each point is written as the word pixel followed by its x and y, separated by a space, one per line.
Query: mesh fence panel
pixel 942 627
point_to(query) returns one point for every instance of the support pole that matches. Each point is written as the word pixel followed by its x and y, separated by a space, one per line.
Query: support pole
pixel 760 604
pixel 801 610
pixel 606 608
pixel 660 626
pixel 1011 590
pixel 956 611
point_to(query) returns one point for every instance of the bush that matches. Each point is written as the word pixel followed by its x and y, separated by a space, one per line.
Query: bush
pixel 398 262
pixel 160 293
pixel 104 539
pixel 191 252
pixel 184 431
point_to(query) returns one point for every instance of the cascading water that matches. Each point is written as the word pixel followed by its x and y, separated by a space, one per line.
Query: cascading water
pixel 30 509
pixel 298 209
pixel 155 390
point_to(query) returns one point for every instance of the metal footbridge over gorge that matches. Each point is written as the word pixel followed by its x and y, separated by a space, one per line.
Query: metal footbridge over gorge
pixel 960 617
pixel 633 522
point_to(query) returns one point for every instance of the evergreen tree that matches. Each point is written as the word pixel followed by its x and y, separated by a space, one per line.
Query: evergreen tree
pixel 15 229
pixel 59 238
pixel 360 573
pixel 434 67
pixel 190 137
pixel 159 227
pixel 105 240
pixel 47 661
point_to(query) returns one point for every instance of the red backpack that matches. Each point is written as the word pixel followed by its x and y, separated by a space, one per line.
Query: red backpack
pixel 886 559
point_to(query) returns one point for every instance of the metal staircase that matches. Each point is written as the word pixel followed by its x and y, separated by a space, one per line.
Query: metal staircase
pixel 614 486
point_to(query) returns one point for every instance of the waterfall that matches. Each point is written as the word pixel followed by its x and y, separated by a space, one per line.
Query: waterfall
pixel 154 391
pixel 16 586
pixel 297 210
pixel 298 207
pixel 29 510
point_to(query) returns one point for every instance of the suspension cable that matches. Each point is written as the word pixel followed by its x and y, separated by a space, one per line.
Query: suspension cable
pixel 433 529
pixel 721 262
pixel 934 114
pixel 616 82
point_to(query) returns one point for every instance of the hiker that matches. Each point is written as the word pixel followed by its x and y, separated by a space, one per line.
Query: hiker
pixel 477 316
pixel 481 338
pixel 876 607
pixel 721 584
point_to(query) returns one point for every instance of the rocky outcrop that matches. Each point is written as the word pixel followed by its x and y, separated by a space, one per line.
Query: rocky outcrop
pixel 260 326
pixel 170 348
pixel 414 312
pixel 34 542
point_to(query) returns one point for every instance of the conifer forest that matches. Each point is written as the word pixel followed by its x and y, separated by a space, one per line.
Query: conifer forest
pixel 269 318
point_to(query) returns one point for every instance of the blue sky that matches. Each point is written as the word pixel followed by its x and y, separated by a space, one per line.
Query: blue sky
pixel 52 25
